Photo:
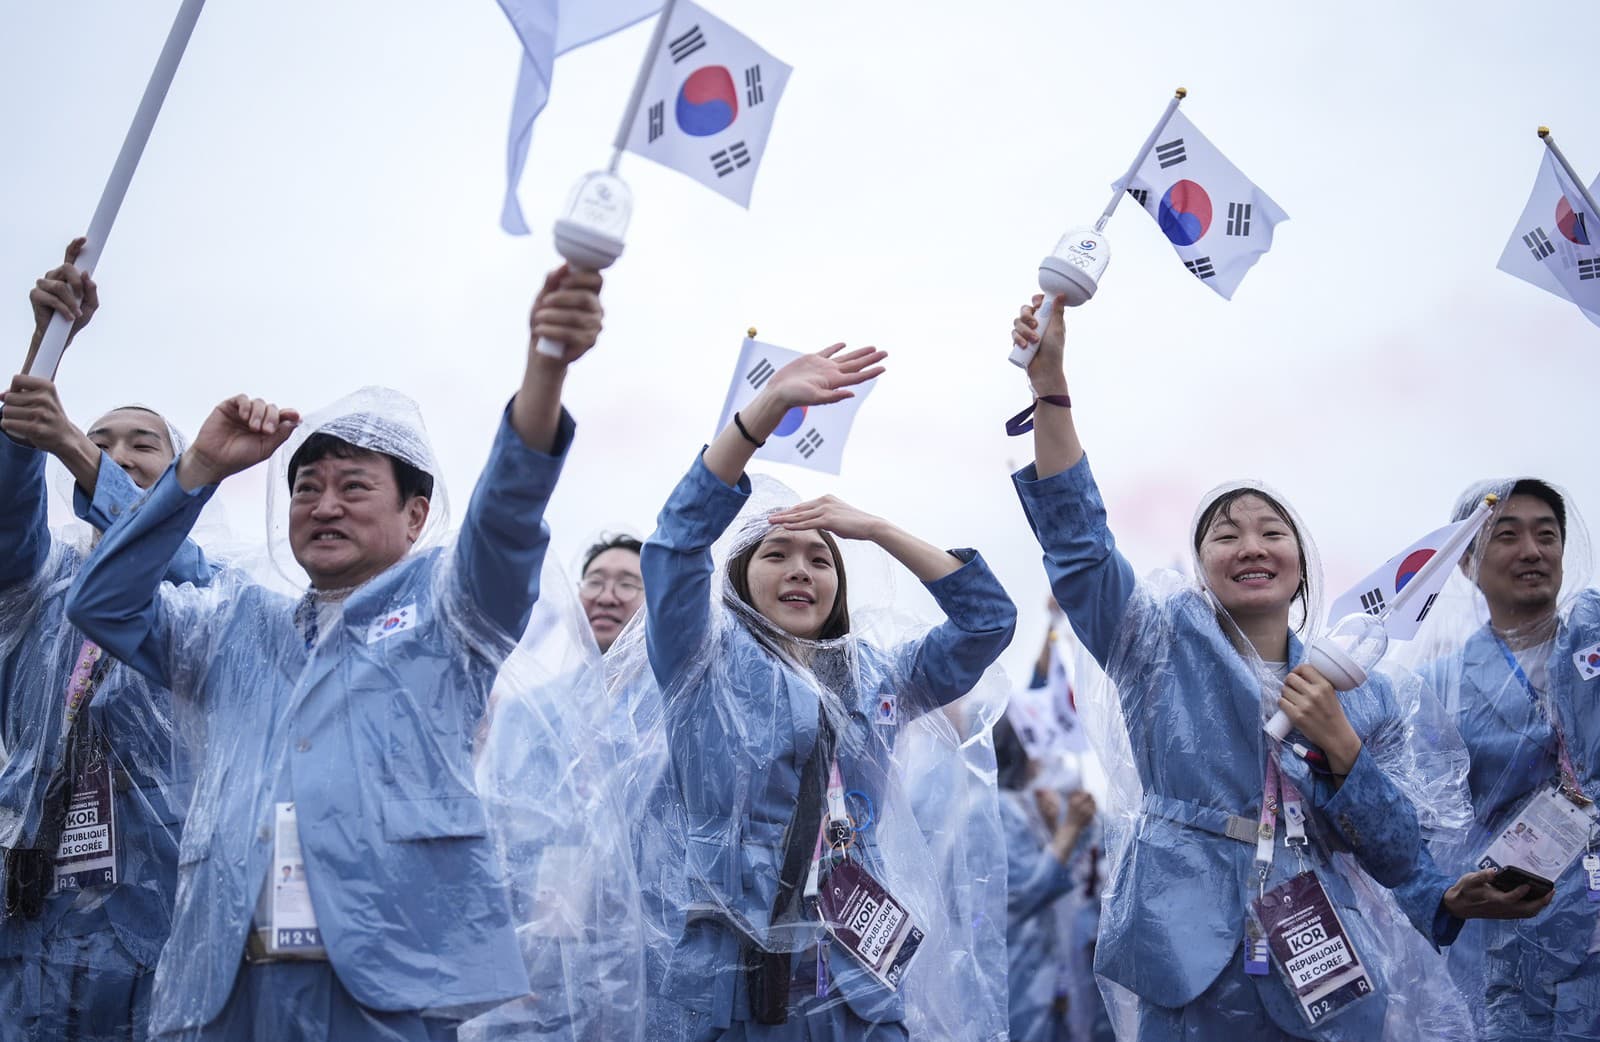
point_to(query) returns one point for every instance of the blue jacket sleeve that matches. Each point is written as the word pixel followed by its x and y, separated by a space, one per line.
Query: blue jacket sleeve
pixel 979 620
pixel 114 495
pixel 500 549
pixel 114 599
pixel 1034 878
pixel 676 564
pixel 1372 816
pixel 1091 580
pixel 24 514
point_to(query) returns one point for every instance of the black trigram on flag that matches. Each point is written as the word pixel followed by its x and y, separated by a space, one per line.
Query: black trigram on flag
pixel 1140 195
pixel 760 373
pixel 1427 606
pixel 1201 267
pixel 1589 268
pixel 730 159
pixel 810 442
pixel 1538 244
pixel 753 94
pixel 658 119
pixel 687 44
pixel 1238 218
pixel 1372 601
pixel 1172 153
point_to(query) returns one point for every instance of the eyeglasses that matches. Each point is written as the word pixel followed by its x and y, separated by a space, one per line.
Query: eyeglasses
pixel 626 587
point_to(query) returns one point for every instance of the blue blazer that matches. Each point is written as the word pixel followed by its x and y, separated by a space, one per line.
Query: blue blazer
pixel 737 753
pixel 133 715
pixel 369 733
pixel 1514 753
pixel 1177 897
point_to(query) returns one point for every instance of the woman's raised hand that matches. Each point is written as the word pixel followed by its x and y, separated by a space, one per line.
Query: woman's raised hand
pixel 824 377
pixel 830 514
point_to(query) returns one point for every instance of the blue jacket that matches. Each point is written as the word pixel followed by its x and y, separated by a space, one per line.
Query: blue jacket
pixel 1178 894
pixel 1513 750
pixel 369 733
pixel 737 753
pixel 1035 881
pixel 133 715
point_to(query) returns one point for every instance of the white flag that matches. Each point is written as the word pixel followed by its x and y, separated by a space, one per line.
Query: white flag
pixel 807 437
pixel 1375 593
pixel 1045 718
pixel 1217 220
pixel 548 28
pixel 1554 245
pixel 707 107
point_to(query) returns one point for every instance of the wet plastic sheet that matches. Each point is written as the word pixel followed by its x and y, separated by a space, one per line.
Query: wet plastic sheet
pixel 1511 689
pixel 93 786
pixel 462 853
pixel 1174 711
pixel 737 703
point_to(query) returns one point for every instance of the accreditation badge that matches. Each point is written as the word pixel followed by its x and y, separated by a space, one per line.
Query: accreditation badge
pixel 87 853
pixel 1311 948
pixel 867 921
pixel 294 930
pixel 1547 835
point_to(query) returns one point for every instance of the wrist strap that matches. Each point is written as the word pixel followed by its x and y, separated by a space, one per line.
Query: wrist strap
pixel 1022 422
pixel 747 436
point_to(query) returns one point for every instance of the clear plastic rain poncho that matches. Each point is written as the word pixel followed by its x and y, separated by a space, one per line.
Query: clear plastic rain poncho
pixel 393 783
pixel 1522 690
pixel 92 785
pixel 1175 709
pixel 735 714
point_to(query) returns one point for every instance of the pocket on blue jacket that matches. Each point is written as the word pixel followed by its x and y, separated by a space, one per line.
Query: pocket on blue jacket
pixel 443 817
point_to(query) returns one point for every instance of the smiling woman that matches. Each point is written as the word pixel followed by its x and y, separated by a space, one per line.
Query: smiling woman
pixel 783 725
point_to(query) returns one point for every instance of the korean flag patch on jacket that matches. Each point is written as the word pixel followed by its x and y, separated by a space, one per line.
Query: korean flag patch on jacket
pixel 1588 662
pixel 397 621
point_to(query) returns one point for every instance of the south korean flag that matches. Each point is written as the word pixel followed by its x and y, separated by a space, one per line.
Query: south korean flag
pixel 812 436
pixel 1556 243
pixel 708 102
pixel 1379 590
pixel 1217 220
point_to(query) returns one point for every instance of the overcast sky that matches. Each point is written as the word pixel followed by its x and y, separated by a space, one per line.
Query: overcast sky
pixel 318 209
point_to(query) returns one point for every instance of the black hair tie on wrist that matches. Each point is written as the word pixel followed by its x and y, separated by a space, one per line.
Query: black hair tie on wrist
pixel 1022 422
pixel 747 436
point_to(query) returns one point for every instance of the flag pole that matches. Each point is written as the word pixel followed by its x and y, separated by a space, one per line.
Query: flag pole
pixel 645 70
pixel 1572 175
pixel 54 344
pixel 1121 186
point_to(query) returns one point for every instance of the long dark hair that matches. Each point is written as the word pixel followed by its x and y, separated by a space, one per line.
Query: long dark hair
pixel 836 625
pixel 1222 506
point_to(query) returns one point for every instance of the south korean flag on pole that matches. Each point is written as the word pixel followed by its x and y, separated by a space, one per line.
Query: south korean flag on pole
pixel 1556 244
pixel 1217 220
pixel 807 437
pixel 1374 593
pixel 707 105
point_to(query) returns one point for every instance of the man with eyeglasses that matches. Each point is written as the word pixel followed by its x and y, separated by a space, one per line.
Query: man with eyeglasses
pixel 612 587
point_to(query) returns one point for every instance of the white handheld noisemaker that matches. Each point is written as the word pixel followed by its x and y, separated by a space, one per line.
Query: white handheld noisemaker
pixel 1345 654
pixel 590 230
pixel 1072 272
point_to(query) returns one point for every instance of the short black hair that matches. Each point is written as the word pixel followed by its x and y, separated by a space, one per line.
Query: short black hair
pixel 412 481
pixel 1222 506
pixel 1010 756
pixel 604 543
pixel 1546 494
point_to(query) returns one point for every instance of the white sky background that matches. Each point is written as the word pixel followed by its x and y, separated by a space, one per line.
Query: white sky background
pixel 318 210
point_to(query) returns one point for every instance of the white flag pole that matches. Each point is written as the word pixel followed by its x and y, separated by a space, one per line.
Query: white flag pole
pixel 1572 175
pixel 1121 186
pixel 626 129
pixel 1446 557
pixel 54 344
